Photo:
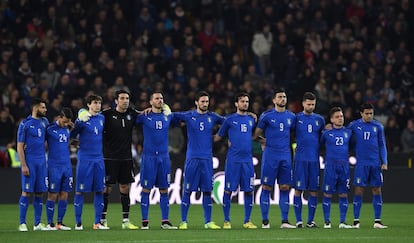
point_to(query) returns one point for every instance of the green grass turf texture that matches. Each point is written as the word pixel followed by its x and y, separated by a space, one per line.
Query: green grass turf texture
pixel 399 218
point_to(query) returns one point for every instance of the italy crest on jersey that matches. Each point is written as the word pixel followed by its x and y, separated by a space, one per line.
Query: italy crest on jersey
pixel 209 119
pixel 317 123
pixel 128 117
pixel 289 121
pixel 375 129
pixel 345 135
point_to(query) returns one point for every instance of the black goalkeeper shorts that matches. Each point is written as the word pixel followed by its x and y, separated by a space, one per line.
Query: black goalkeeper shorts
pixel 118 171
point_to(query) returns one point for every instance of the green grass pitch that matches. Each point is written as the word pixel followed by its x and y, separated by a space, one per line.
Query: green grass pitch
pixel 399 218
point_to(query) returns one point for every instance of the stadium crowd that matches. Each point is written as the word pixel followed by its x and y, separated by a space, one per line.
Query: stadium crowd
pixel 347 52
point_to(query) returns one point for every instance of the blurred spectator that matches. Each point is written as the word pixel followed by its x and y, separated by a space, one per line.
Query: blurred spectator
pixel 392 134
pixel 7 129
pixel 407 137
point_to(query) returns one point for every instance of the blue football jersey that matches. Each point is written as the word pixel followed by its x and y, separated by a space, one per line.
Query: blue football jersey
pixel 336 143
pixel 277 127
pixel 32 132
pixel 155 127
pixel 370 145
pixel 308 131
pixel 90 137
pixel 239 130
pixel 57 138
pixel 200 132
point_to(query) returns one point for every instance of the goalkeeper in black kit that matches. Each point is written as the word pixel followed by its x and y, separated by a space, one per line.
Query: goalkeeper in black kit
pixel 117 140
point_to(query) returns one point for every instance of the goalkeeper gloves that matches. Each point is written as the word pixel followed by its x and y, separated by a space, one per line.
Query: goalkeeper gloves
pixel 166 110
pixel 83 115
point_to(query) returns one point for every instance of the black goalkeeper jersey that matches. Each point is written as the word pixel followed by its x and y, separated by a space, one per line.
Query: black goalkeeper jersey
pixel 117 135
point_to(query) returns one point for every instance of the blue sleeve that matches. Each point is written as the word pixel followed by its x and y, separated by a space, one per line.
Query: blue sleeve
pixel 139 118
pixel 219 119
pixel 382 145
pixel 174 120
pixel 223 129
pixel 21 133
pixel 262 122
pixel 293 127
pixel 322 139
pixel 181 116
pixel 76 129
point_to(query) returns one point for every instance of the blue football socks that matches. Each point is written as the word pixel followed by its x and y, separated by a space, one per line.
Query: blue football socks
pixel 185 205
pixel 207 206
pixel 50 210
pixel 264 204
pixel 23 206
pixel 144 205
pixel 226 205
pixel 248 206
pixel 38 206
pixel 78 204
pixel 165 206
pixel 343 208
pixel 297 206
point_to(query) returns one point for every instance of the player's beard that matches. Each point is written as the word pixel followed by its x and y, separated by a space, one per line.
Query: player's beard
pixel 281 105
pixel 309 111
pixel 243 110
pixel 40 114
pixel 203 109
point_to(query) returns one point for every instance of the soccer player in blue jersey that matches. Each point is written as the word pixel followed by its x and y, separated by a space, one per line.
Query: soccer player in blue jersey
pixel 156 164
pixel 198 168
pixel 371 155
pixel 32 154
pixel 59 167
pixel 306 171
pixel 239 169
pixel 336 173
pixel 90 169
pixel 277 124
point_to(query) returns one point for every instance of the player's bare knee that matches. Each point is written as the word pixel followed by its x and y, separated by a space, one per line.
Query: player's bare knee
pixel 163 190
pixel 108 189
pixel 266 187
pixel 52 196
pixel 376 190
pixel 359 190
pixel 124 188
pixel 298 193
pixel 63 196
pixel 284 187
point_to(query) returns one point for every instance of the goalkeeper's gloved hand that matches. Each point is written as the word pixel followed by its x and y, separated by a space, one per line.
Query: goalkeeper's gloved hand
pixel 166 110
pixel 83 115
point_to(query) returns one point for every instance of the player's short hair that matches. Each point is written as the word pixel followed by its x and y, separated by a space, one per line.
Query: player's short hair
pixel 240 95
pixel 279 90
pixel 66 112
pixel 308 96
pixel 93 97
pixel 152 95
pixel 35 102
pixel 121 91
pixel 201 94
pixel 333 110
pixel 366 106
